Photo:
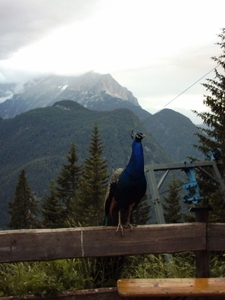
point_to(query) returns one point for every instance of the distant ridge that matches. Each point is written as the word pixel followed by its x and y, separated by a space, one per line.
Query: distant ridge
pixel 174 132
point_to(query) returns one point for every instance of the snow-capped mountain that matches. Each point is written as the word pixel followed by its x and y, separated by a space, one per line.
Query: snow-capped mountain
pixel 92 90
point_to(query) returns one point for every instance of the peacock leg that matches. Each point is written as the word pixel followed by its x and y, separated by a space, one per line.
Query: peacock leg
pixel 120 226
pixel 128 224
pixel 112 206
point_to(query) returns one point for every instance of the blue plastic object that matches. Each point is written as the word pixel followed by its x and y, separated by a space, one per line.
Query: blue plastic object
pixel 193 196
pixel 214 155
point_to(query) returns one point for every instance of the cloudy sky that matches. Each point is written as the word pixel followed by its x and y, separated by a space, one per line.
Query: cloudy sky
pixel 155 48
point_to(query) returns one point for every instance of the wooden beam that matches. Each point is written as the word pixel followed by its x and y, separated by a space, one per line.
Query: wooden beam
pixel 202 256
pixel 49 244
pixel 110 293
pixel 216 236
pixel 171 287
pixel 34 244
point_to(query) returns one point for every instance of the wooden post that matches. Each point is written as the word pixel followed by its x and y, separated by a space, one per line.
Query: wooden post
pixel 202 256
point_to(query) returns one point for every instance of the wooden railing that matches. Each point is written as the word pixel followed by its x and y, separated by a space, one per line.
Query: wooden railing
pixel 50 244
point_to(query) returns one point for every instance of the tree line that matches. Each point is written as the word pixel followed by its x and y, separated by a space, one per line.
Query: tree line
pixel 76 196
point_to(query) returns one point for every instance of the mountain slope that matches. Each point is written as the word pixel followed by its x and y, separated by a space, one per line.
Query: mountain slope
pixel 174 132
pixel 39 140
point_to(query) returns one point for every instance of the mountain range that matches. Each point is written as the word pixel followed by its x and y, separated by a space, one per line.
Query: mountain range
pixel 91 90
pixel 101 92
pixel 38 125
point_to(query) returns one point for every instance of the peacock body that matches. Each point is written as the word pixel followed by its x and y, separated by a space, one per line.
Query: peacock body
pixel 127 188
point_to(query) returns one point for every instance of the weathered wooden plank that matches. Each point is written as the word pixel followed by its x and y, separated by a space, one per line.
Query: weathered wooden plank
pixel 167 287
pixel 95 294
pixel 48 244
pixel 28 245
pixel 168 238
pixel 216 236
pixel 110 293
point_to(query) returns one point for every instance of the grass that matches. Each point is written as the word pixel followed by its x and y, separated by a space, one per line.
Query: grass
pixel 160 266
pixel 40 278
pixel 44 278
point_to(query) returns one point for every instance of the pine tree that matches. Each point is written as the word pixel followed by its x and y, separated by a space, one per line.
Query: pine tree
pixel 23 209
pixel 141 214
pixel 52 209
pixel 93 184
pixel 67 186
pixel 171 205
pixel 213 135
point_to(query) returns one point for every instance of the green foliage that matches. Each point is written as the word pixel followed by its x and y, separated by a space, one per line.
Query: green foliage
pixel 41 278
pixel 155 266
pixel 171 205
pixel 23 209
pixel 78 196
pixel 68 186
pixel 103 271
pixel 217 265
pixel 212 136
pixel 52 209
pixel 218 204
pixel 93 184
pixel 58 207
pixel 68 180
pixel 141 215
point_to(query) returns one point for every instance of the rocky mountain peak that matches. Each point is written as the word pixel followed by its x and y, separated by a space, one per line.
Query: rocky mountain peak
pixel 86 89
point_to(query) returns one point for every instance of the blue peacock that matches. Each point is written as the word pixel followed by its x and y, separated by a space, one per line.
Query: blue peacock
pixel 126 189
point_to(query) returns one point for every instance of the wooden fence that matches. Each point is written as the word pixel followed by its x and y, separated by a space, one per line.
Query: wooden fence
pixel 49 244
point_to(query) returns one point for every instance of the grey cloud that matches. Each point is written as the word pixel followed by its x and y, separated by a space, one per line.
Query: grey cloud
pixel 23 22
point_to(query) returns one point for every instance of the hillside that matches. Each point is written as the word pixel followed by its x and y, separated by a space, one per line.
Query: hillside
pixel 174 132
pixel 39 140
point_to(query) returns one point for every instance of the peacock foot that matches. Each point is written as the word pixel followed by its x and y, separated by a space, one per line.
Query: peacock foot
pixel 120 228
pixel 129 225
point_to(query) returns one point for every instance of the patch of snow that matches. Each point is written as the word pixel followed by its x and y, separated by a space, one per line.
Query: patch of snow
pixel 64 87
pixel 63 107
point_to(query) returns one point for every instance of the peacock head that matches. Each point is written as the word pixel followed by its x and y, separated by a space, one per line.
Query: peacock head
pixel 138 136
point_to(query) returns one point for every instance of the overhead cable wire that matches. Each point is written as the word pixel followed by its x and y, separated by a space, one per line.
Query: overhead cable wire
pixel 182 92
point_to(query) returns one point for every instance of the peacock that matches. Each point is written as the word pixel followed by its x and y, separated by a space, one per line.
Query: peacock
pixel 126 189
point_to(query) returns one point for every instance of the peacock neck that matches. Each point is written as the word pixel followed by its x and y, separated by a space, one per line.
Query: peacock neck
pixel 136 163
